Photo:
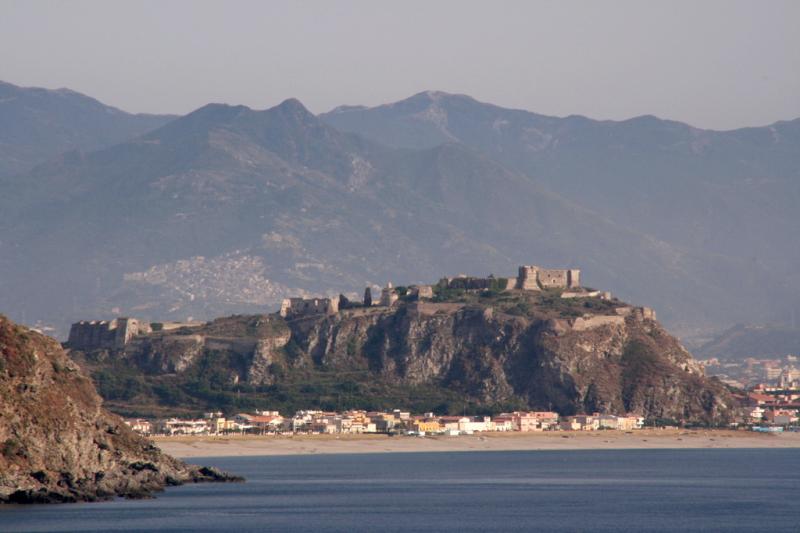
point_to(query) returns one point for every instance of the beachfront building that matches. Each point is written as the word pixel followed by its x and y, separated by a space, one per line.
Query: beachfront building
pixel 781 417
pixel 177 426
pixel 426 425
pixel 583 423
pixel 529 421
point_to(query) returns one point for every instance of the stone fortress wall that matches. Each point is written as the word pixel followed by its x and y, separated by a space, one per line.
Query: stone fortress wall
pixel 468 283
pixel 115 334
pixel 105 334
pixel 531 277
pixel 534 278
pixel 297 307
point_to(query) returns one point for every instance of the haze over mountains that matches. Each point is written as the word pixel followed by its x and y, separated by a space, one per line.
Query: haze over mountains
pixel 229 209
pixel 38 124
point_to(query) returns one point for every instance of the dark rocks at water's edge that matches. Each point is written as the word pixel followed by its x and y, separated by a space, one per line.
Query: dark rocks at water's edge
pixel 58 444
pixel 136 489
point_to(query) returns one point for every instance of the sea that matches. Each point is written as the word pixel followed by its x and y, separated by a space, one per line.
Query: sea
pixel 750 490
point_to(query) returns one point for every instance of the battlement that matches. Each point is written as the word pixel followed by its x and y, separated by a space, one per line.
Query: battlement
pixel 105 335
pixel 299 307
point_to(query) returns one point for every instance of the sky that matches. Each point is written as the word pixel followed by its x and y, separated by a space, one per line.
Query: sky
pixel 718 64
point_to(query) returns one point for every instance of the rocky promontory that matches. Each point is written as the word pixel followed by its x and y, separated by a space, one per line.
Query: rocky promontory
pixel 58 444
pixel 451 351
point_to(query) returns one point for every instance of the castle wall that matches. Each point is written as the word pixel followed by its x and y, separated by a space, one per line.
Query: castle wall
pixel 552 278
pixel 573 278
pixel 422 291
pixel 470 284
pixel 105 335
pixel 296 307
pixel 533 278
pixel 591 322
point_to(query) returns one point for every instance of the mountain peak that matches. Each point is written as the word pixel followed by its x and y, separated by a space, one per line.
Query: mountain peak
pixel 202 118
pixel 293 106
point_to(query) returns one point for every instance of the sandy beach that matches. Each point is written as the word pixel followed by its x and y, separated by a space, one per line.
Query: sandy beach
pixel 248 445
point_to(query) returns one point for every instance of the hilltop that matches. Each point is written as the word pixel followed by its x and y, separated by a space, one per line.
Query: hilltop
pixel 480 345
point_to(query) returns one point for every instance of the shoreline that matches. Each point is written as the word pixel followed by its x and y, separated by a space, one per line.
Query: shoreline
pixel 186 447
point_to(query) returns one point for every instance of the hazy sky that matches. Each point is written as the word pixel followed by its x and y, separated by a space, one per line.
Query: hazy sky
pixel 716 64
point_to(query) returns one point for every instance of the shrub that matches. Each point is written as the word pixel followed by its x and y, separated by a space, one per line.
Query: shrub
pixel 11 447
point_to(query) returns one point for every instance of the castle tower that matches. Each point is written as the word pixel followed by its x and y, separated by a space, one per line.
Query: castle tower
pixel 528 278
pixel 388 296
pixel 573 278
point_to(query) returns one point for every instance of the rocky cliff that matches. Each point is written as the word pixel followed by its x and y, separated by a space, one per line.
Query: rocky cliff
pixel 482 351
pixel 58 444
pixel 613 361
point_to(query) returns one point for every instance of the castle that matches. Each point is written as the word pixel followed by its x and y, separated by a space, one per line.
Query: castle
pixel 115 334
pixel 534 278
pixel 529 278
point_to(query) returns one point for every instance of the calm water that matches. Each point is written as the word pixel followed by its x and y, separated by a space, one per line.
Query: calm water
pixel 641 490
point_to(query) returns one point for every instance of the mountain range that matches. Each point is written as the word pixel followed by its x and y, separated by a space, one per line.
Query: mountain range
pixel 230 209
pixel 38 124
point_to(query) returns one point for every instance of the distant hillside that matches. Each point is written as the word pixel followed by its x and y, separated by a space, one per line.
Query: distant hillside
pixel 740 342
pixel 230 209
pixel 460 351
pixel 731 196
pixel 38 124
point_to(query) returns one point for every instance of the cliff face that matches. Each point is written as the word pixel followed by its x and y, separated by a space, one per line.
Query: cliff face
pixel 57 443
pixel 477 351
pixel 600 362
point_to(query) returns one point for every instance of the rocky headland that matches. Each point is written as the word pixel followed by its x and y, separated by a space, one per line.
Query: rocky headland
pixel 453 352
pixel 58 443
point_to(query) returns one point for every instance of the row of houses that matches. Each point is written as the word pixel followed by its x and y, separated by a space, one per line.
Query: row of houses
pixel 397 421
pixel 776 406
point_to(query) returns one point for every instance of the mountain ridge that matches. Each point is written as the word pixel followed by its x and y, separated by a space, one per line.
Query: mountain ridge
pixel 289 205
pixel 37 124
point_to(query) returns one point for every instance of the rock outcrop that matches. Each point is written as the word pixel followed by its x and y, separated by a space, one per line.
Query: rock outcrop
pixel 589 363
pixel 486 349
pixel 58 444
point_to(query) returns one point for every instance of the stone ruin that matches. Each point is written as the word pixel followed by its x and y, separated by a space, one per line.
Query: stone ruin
pixel 300 307
pixel 534 278
pixel 105 335
pixel 529 278
pixel 388 296
pixel 469 283
pixel 297 307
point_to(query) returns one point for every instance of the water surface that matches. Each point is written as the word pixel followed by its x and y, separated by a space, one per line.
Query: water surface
pixel 596 490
